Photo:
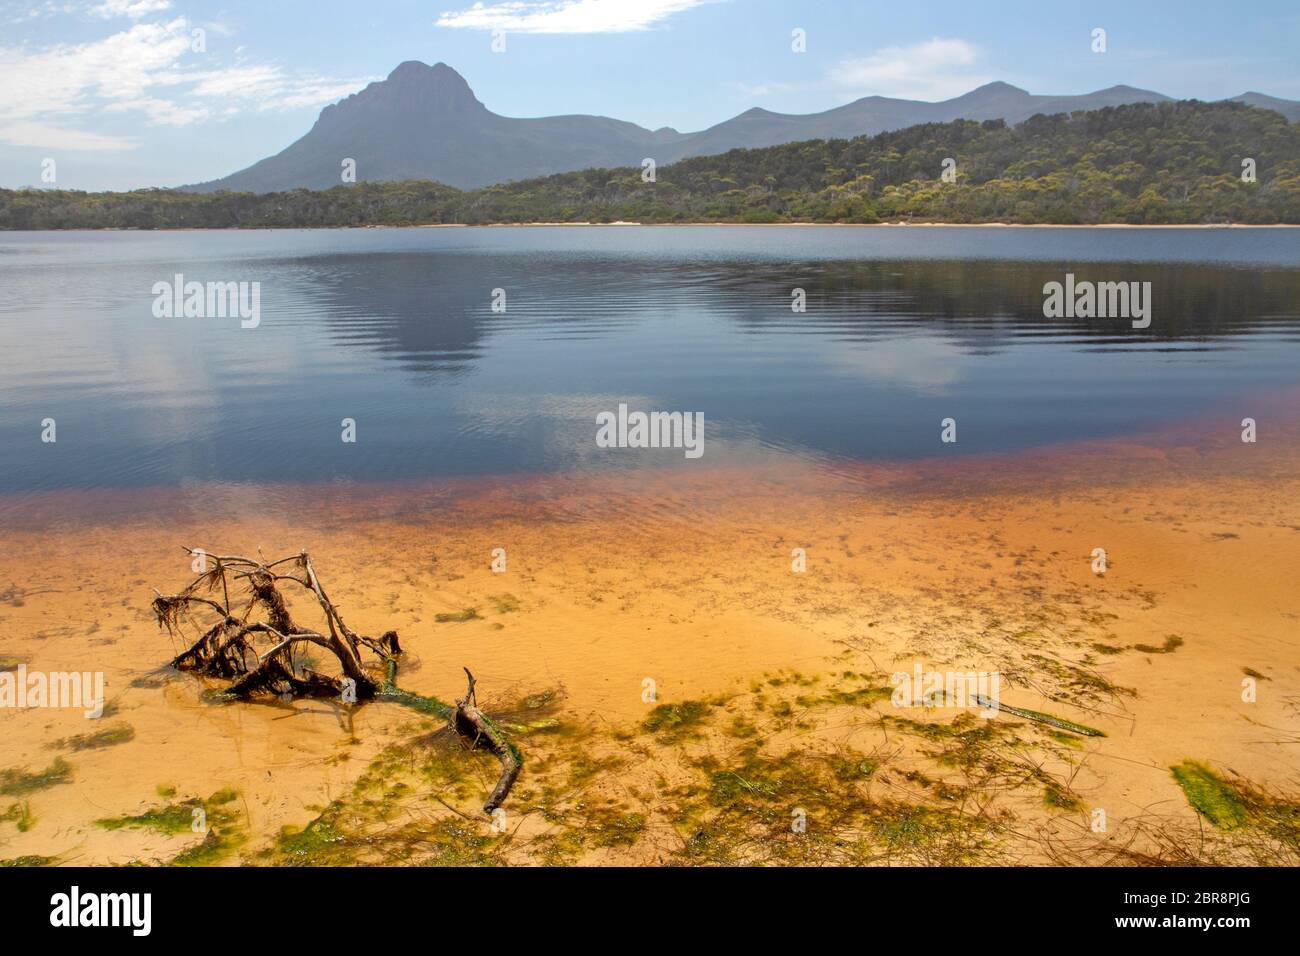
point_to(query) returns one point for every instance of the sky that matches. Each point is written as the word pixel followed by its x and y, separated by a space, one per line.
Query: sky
pixel 126 94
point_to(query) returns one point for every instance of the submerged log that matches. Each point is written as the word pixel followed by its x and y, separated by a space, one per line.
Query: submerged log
pixel 1058 722
pixel 479 730
pixel 226 649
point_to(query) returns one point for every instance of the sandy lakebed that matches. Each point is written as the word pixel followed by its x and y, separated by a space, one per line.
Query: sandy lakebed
pixel 771 737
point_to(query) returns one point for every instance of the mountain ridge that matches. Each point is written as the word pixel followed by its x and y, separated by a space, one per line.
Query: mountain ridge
pixel 425 122
pixel 1177 163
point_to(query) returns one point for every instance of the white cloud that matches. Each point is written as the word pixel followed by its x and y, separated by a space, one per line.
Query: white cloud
pixel 53 137
pixel 937 69
pixel 41 11
pixel 566 16
pixel 148 69
pixel 271 88
pixel 134 9
pixel 161 112
pixel 760 90
pixel 925 364
pixel 71 78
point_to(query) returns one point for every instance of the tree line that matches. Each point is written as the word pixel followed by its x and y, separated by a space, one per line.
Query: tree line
pixel 1168 163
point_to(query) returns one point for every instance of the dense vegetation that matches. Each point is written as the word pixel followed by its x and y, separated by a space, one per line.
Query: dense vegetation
pixel 1144 163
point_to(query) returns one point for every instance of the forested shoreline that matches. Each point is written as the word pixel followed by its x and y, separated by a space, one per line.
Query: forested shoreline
pixel 1143 164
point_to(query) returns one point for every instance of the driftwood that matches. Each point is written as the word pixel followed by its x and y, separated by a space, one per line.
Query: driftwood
pixel 227 649
pixel 1058 722
pixel 476 727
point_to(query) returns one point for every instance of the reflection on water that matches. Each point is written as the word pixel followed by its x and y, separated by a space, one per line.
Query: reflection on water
pixel 395 329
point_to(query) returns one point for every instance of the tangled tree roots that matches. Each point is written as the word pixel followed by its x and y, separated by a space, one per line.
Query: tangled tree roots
pixel 226 649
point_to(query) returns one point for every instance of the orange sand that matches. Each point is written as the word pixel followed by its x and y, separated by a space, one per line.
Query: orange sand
pixel 685 578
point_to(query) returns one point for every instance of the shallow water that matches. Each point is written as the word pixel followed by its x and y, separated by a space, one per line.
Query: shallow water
pixel 618 577
pixel 395 329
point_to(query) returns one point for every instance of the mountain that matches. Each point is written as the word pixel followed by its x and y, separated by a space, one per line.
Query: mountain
pixel 1288 108
pixel 424 122
pixel 880 114
pixel 1141 164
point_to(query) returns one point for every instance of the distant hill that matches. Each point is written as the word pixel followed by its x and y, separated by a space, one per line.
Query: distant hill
pixel 1143 163
pixel 1288 108
pixel 880 114
pixel 424 122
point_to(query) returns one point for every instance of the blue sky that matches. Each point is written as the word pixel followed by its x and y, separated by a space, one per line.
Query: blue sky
pixel 124 94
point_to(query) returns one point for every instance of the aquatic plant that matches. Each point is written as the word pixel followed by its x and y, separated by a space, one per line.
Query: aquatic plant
pixel 18 783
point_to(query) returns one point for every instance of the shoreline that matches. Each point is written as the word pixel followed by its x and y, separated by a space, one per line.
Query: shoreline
pixel 841 225
pixel 1208 443
pixel 688 225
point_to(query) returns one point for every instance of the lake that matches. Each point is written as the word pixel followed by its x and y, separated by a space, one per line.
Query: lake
pixel 396 330
pixel 1098 535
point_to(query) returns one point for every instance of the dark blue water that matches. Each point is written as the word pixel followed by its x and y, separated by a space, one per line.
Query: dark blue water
pixel 395 329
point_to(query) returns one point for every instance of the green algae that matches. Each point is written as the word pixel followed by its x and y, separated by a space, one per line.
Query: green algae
pixel 18 782
pixel 457 617
pixel 1210 795
pixel 672 722
pixel 108 737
